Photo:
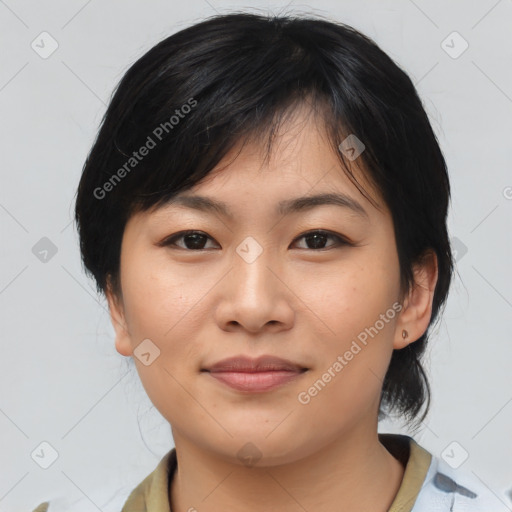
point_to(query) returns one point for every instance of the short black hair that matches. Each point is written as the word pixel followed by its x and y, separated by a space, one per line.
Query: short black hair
pixel 234 77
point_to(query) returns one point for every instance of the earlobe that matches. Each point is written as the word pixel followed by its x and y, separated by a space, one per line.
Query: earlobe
pixel 117 316
pixel 417 311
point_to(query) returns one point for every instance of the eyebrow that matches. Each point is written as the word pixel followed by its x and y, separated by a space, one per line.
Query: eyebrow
pixel 284 207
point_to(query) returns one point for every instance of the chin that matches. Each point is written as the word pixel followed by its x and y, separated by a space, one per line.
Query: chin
pixel 251 448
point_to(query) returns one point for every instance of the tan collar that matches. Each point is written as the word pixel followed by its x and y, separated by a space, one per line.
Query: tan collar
pixel 417 461
pixel 152 494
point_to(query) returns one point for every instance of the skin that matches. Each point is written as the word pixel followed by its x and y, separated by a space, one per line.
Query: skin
pixel 294 301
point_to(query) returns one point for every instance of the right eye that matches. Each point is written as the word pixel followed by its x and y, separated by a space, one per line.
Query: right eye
pixel 193 240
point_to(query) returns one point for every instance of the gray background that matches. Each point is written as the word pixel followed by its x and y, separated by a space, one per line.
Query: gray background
pixel 61 379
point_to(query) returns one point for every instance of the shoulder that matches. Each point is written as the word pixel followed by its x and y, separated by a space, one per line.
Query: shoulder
pixel 448 489
pixel 105 500
pixel 150 494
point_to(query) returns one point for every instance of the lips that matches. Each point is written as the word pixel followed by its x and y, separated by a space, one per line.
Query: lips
pixel 255 375
pixel 249 365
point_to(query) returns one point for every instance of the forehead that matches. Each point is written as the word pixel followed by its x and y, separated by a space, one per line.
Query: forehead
pixel 298 172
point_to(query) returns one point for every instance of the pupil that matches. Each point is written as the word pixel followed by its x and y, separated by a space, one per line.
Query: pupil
pixel 316 236
pixel 196 241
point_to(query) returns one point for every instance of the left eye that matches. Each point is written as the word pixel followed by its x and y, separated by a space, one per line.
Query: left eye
pixel 318 238
pixel 196 240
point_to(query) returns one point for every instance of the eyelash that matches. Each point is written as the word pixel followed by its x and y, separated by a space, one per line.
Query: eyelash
pixel 341 241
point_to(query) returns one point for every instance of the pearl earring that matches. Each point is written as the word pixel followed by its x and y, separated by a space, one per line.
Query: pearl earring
pixel 404 334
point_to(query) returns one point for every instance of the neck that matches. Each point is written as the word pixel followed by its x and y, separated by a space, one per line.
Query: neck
pixel 354 473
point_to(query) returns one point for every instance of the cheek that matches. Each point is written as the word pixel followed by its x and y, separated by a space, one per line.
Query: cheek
pixel 164 308
pixel 354 356
pixel 167 305
pixel 349 296
pixel 355 303
pixel 158 298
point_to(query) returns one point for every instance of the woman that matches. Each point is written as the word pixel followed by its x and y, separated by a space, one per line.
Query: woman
pixel 265 210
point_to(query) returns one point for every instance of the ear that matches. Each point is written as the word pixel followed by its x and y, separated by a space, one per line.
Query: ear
pixel 417 306
pixel 117 316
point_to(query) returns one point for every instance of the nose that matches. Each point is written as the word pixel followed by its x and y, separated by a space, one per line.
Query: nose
pixel 255 297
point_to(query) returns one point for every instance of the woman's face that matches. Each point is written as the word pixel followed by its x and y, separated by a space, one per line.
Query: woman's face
pixel 251 284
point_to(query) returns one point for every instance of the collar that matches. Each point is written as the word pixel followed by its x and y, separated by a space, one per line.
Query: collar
pixel 152 494
pixel 416 460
